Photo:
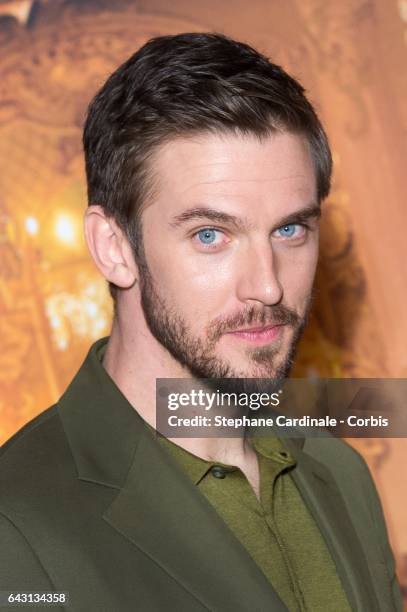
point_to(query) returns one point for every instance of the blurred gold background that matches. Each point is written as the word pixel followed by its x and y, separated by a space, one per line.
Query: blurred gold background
pixel 350 56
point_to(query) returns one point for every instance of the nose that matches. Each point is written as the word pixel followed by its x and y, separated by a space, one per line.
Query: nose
pixel 258 276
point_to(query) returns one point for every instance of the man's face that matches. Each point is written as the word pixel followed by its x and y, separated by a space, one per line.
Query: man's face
pixel 230 244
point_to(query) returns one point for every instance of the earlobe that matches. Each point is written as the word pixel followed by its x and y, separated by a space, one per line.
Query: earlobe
pixel 109 247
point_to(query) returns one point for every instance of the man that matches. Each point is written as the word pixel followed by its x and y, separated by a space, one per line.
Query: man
pixel 206 169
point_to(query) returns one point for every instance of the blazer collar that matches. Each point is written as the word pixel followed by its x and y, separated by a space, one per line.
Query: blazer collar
pixel 102 427
pixel 112 446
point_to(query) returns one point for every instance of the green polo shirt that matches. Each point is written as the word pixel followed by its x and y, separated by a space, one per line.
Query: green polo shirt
pixel 277 531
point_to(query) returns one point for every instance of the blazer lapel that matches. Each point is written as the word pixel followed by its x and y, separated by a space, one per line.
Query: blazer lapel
pixel 326 505
pixel 162 513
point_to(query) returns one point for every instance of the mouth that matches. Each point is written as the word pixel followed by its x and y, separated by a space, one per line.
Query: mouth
pixel 258 335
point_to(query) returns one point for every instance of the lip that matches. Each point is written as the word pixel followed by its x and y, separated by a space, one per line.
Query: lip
pixel 258 335
pixel 262 328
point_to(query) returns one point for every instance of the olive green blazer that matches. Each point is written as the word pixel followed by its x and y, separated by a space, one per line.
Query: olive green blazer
pixel 91 504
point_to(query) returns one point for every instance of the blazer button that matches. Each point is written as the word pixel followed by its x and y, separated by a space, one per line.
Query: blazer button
pixel 218 471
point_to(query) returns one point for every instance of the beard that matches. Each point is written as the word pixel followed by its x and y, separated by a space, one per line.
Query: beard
pixel 198 355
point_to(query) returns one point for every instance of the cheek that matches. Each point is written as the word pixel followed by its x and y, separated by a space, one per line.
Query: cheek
pixel 296 272
pixel 199 284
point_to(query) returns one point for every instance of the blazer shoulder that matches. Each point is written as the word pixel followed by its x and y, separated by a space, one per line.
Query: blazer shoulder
pixel 34 458
pixel 35 422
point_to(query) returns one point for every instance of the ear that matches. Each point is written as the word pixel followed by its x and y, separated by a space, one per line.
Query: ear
pixel 109 248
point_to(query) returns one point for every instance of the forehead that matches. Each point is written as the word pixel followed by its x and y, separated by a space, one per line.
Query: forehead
pixel 277 171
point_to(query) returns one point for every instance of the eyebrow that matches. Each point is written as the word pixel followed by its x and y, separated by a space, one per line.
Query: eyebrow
pixel 310 211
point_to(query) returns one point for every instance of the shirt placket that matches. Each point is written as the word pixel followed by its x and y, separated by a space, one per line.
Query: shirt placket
pixel 271 472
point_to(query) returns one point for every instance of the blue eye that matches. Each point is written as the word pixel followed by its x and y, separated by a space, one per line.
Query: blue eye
pixel 287 231
pixel 207 235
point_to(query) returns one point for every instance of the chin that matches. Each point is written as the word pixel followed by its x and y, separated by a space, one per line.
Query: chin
pixel 253 371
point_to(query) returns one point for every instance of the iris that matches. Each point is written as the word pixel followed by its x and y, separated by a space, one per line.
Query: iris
pixel 287 230
pixel 207 235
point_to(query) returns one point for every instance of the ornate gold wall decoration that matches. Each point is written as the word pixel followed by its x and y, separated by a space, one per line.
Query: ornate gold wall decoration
pixel 53 303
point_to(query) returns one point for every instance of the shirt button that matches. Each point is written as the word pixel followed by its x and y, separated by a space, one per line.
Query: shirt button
pixel 218 471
